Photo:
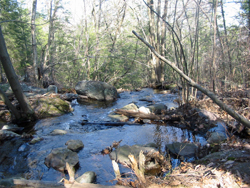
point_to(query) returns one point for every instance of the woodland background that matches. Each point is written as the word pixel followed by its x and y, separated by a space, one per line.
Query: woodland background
pixel 49 47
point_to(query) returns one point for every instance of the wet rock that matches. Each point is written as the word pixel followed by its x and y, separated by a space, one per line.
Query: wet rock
pixel 216 137
pixel 123 118
pixel 118 117
pixel 183 149
pixel 13 158
pixel 144 110
pixel 87 177
pixel 58 132
pixel 130 107
pixel 35 140
pixel 4 134
pixel 28 90
pixel 52 88
pixel 96 90
pixel 58 157
pixel 7 182
pixel 157 108
pixel 206 114
pixel 146 121
pixel 69 96
pixel 12 127
pixel 48 107
pixel 74 145
pixel 121 154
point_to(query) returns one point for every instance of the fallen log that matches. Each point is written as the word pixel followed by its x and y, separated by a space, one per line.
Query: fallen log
pixel 45 184
pixel 109 123
pixel 148 116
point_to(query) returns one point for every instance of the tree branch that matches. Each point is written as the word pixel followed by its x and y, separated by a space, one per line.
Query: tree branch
pixel 192 83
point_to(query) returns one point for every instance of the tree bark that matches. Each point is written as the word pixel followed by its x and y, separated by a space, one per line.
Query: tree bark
pixel 214 46
pixel 191 82
pixel 33 33
pixel 13 79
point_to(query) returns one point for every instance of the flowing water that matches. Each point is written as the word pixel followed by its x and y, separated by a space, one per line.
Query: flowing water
pixel 95 137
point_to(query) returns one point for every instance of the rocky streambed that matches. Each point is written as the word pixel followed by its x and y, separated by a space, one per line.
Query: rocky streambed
pixel 81 137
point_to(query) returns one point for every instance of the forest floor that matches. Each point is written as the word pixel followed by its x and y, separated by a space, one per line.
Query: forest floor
pixel 226 164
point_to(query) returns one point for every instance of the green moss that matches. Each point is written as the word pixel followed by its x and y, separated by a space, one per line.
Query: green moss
pixel 48 107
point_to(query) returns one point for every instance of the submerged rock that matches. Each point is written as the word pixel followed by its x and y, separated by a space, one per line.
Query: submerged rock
pixel 74 145
pixel 96 90
pixel 58 157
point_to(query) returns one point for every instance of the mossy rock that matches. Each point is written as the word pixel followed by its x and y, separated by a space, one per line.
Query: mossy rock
pixel 170 86
pixel 49 107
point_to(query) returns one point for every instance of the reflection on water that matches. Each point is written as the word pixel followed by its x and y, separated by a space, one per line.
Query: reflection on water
pixel 98 137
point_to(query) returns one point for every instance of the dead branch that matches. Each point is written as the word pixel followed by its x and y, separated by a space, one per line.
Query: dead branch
pixel 192 83
pixel 148 116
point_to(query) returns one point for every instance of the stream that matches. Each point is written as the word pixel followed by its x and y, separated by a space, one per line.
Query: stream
pixel 28 159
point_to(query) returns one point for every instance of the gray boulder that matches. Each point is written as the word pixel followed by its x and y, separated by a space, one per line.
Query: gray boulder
pixel 74 145
pixel 216 137
pixel 52 88
pixel 123 118
pixel 206 114
pixel 157 108
pixel 87 177
pixel 96 90
pixel 183 149
pixel 58 157
pixel 121 154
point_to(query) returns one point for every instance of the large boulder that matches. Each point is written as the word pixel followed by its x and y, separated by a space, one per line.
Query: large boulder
pixel 96 90
pixel 58 157
pixel 48 107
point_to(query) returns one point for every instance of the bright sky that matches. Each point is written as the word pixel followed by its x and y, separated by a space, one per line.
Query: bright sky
pixel 231 9
pixel 76 7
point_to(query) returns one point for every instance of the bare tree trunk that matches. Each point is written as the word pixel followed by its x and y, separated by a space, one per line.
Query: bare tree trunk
pixel 13 79
pixel 50 49
pixel 210 94
pixel 225 31
pixel 214 46
pixel 86 53
pixel 152 37
pixel 33 33
pixel 119 25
